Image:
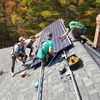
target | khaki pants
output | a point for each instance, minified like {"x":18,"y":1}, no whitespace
{"x":76,"y":32}
{"x":46,"y":59}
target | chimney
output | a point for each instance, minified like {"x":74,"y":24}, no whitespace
{"x":96,"y":42}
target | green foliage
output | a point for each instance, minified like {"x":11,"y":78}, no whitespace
{"x":47,"y":14}
{"x":43,"y":24}
{"x":34,"y":15}
{"x":62,"y":2}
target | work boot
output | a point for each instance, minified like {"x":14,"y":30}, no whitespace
{"x":31,"y":56}
{"x":12,"y":74}
{"x":23,"y":63}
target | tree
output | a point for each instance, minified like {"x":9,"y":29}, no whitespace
{"x":27,"y":17}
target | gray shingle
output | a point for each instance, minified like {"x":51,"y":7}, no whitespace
{"x":87,"y":77}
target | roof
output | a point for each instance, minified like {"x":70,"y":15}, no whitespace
{"x":55,"y":86}
{"x":87,"y":76}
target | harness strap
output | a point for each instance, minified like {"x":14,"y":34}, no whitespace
{"x":22,"y":49}
{"x":43,"y":51}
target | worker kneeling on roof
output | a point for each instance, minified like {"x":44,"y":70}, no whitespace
{"x":74,"y":30}
{"x":45,"y":52}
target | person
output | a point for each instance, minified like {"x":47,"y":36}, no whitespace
{"x":74,"y":30}
{"x":45,"y":52}
{"x":29,"y":44}
{"x":19,"y":53}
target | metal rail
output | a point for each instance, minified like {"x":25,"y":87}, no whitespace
{"x":73,"y":80}
{"x":39,"y":94}
{"x":40,"y":87}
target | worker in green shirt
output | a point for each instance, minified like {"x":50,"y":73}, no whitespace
{"x":45,"y":52}
{"x":74,"y":30}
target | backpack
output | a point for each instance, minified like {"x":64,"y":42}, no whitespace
{"x":20,"y":49}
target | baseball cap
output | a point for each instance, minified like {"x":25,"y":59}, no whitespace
{"x":21,"y":39}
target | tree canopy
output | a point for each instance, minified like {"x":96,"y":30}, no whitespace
{"x":27,"y":17}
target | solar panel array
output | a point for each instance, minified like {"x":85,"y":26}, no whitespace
{"x":57,"y":28}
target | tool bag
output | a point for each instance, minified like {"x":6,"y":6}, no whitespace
{"x":73,"y":62}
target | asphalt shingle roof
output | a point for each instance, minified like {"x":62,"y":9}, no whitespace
{"x":55,"y":86}
{"x":87,"y":78}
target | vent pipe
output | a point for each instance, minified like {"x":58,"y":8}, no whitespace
{"x":96,"y":42}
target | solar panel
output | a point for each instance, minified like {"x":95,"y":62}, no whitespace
{"x":57,"y":28}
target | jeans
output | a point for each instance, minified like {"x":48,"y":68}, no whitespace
{"x":31,"y":49}
{"x":14,"y":59}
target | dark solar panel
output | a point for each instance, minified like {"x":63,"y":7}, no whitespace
{"x":57,"y":28}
